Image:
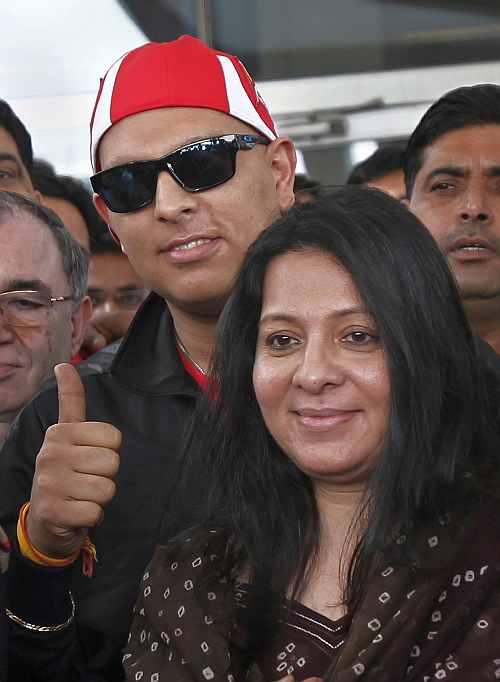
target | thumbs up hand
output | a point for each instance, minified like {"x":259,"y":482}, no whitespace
{"x":74,"y":473}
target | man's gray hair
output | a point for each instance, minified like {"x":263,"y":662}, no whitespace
{"x":75,"y":259}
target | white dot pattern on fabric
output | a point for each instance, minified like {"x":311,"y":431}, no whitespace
{"x":393,"y":594}
{"x":384,"y":597}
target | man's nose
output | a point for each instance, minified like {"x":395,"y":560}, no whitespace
{"x":319,"y":366}
{"x":7,"y":332}
{"x":172,"y":203}
{"x":475,"y":206}
{"x":111,"y":320}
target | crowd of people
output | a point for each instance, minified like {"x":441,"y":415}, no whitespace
{"x":250,"y":424}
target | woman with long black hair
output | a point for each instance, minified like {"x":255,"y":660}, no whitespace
{"x":352,"y":517}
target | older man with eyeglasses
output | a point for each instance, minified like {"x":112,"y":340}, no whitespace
{"x":43,"y":307}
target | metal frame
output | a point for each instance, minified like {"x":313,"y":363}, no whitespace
{"x":332,"y":110}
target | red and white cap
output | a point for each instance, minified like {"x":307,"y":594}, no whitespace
{"x":181,"y":73}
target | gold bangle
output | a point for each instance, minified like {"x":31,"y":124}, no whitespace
{"x":44,"y":628}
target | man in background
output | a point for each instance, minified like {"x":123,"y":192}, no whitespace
{"x":306,"y":189}
{"x":115,"y":289}
{"x":382,"y":170}
{"x":43,"y":307}
{"x":70,"y":200}
{"x":452,"y":174}
{"x":16,"y":154}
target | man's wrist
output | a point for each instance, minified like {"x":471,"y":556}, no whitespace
{"x":29,"y":550}
{"x":39,"y":595}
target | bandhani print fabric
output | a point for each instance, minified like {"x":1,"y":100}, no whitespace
{"x":436,"y":620}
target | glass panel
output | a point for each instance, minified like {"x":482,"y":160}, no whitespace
{"x":332,"y":165}
{"x":281,"y":39}
{"x":163,"y":20}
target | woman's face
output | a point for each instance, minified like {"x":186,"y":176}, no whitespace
{"x":320,"y":374}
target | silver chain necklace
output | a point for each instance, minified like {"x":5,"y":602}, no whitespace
{"x":188,"y":355}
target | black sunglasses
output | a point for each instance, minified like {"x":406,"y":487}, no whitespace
{"x":196,"y":167}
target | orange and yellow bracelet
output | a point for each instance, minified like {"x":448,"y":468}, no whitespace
{"x":87,"y":550}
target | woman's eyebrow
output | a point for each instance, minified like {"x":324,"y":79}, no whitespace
{"x":287,"y":317}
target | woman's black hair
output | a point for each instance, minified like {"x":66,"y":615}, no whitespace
{"x":439,"y":424}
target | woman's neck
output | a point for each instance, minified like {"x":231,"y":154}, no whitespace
{"x":339,"y":534}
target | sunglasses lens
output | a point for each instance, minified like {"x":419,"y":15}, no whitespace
{"x":204,"y":165}
{"x":196,"y":167}
{"x":128,"y":188}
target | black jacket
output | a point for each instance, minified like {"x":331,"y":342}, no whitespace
{"x":146,"y":394}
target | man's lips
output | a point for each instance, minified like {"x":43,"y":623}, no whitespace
{"x":323,"y":418}
{"x":471,"y":248}
{"x":191,"y":248}
{"x":6,"y":369}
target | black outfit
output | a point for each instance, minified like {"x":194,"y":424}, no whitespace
{"x":4,"y":559}
{"x":147,"y":394}
{"x":438,"y":611}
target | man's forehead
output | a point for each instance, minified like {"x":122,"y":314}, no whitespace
{"x":465,"y":146}
{"x":26,"y":242}
{"x":9,"y":146}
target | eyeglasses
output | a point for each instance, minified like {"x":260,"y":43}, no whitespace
{"x":28,"y":308}
{"x":196,"y":167}
{"x":129,"y":299}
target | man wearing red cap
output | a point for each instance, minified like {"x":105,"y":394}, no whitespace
{"x":189,"y":170}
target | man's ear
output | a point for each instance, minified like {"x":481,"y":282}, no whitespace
{"x":80,"y":318}
{"x":103,"y":211}
{"x":281,"y":154}
{"x":101,"y":207}
{"x":38,"y":196}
